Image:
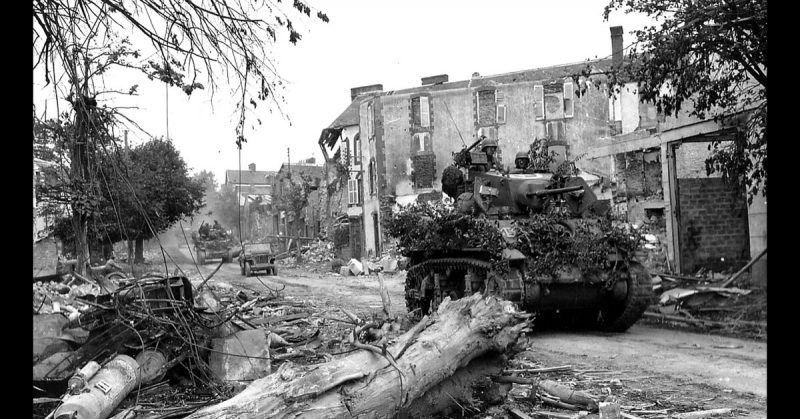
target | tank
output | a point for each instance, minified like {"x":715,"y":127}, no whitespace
{"x":213,"y":243}
{"x":610,"y":292}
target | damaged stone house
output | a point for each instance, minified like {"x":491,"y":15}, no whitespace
{"x":658,"y":163}
{"x":308,"y":223}
{"x":351,"y":178}
{"x":400,"y":141}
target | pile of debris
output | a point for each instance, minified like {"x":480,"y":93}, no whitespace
{"x":531,"y":389}
{"x":709,"y":304}
{"x":165,"y":340}
{"x":652,"y":251}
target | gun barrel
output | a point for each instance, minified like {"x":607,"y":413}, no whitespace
{"x":478,"y":141}
{"x":545,"y":192}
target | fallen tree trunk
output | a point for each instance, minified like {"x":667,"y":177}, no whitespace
{"x":366,"y":384}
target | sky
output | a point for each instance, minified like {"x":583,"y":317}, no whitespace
{"x":393,"y":43}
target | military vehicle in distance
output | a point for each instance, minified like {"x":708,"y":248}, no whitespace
{"x":213,"y":243}
{"x":609,"y":299}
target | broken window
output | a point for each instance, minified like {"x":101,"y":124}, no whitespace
{"x":346,"y":154}
{"x":372,"y":176}
{"x":420,"y":142}
{"x":569,"y":104}
{"x":489,"y":132}
{"x":487,"y":107}
{"x":556,"y":131}
{"x":370,"y":122}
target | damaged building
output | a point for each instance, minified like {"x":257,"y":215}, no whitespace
{"x":658,"y":164}
{"x":703,"y":221}
{"x":308,"y":222}
{"x":392,"y":146}
{"x":254,"y":191}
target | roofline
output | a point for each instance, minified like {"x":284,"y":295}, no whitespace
{"x":451,"y":84}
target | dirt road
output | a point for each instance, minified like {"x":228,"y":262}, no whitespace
{"x":702,"y":371}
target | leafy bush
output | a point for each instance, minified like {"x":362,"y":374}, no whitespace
{"x":546,"y":239}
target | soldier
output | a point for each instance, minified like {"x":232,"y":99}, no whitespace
{"x":203,"y":230}
{"x":521,"y":163}
{"x":477,"y":203}
{"x":489,"y":146}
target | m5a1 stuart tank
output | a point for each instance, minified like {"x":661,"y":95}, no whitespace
{"x":610,"y":296}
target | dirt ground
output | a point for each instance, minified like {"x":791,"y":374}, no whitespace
{"x":650,"y":367}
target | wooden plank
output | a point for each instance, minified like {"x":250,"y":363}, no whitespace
{"x":275,"y":319}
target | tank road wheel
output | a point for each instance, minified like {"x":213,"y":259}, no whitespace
{"x":620,"y":317}
{"x":247,"y":270}
{"x":201,"y":256}
{"x":415,"y":299}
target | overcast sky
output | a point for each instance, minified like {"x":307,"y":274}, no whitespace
{"x":394,"y":43}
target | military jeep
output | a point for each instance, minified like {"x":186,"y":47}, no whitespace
{"x":257,"y":257}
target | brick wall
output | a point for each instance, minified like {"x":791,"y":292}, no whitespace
{"x":713,"y":225}
{"x":424,"y":171}
{"x":638,"y":174}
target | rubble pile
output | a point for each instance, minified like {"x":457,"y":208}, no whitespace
{"x":320,"y":257}
{"x":705,"y":303}
{"x":193,"y":344}
{"x":527,"y":388}
{"x":652,"y":252}
{"x":315,"y":257}
{"x":56,"y":297}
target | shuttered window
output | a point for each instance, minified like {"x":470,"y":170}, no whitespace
{"x":538,"y":102}
{"x":500,"y":99}
{"x":569,"y":104}
{"x":421,"y":111}
{"x":352,"y":192}
{"x":424,"y":112}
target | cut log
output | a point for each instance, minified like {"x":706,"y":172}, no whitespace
{"x":365,"y":384}
{"x":567,"y":395}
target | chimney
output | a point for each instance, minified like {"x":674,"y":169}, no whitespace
{"x":441,"y":78}
{"x":616,"y":46}
{"x":252,"y":167}
{"x":365,"y":89}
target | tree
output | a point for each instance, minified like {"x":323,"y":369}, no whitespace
{"x":75,"y":140}
{"x":294,"y":198}
{"x":153,"y":193}
{"x":188,"y":40}
{"x":712,"y":54}
{"x":207,"y":179}
{"x":75,"y":41}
